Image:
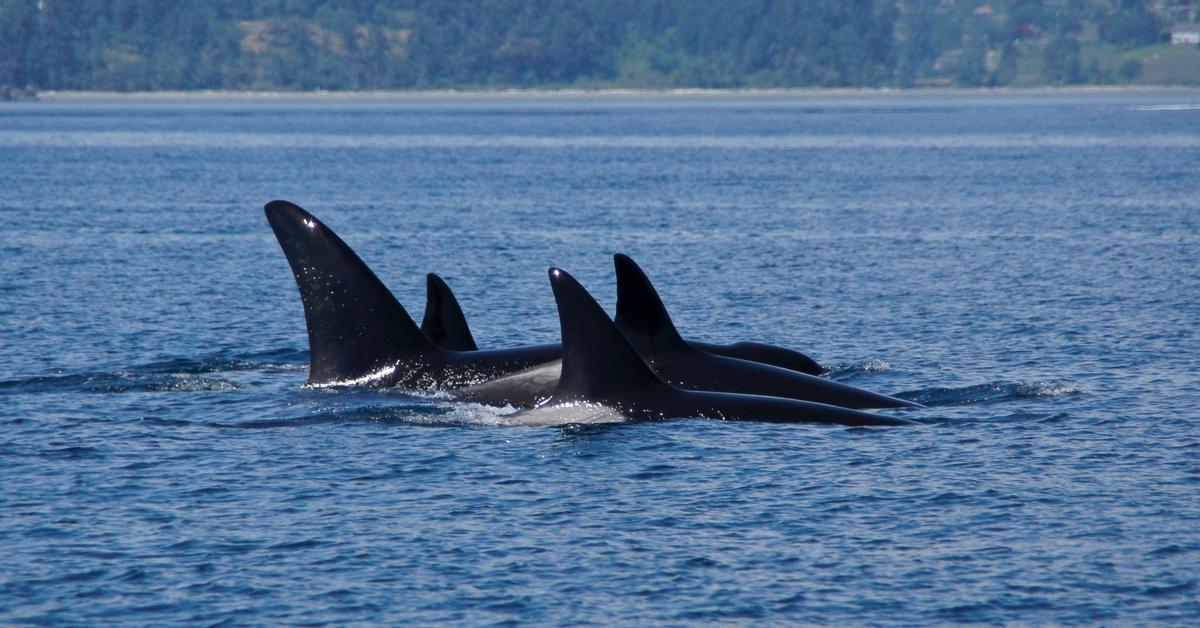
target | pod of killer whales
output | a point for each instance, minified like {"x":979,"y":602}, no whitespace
{"x":633,"y":367}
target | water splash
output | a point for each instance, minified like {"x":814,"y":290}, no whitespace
{"x":990,"y":393}
{"x":174,"y":375}
{"x":364,"y":380}
{"x":850,"y":369}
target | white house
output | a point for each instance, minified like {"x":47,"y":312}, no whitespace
{"x":1185,"y":34}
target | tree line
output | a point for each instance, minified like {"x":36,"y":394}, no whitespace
{"x":423,"y":44}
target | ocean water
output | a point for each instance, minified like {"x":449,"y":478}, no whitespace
{"x":1026,"y":265}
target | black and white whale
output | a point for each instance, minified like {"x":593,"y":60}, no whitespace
{"x":359,"y":334}
{"x":605,"y":380}
{"x":643,"y":320}
{"x":641,"y":315}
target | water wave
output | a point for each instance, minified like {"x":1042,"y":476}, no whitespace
{"x":990,"y":393}
{"x":853,"y":368}
{"x":174,"y":375}
{"x":116,"y":382}
{"x":1178,"y":107}
{"x":415,"y":411}
{"x":209,"y":140}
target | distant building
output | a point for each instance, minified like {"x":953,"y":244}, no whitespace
{"x":1185,"y":34}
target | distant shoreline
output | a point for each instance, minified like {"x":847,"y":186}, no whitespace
{"x":582,"y":94}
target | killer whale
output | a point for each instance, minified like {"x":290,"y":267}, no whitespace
{"x":640,"y":313}
{"x":358,"y":333}
{"x":604,"y":379}
{"x":689,"y":369}
{"x":643,"y":320}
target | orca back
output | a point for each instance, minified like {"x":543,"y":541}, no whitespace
{"x":602,"y":370}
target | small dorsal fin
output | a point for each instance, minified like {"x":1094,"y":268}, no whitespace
{"x":356,"y":327}
{"x":641,"y":315}
{"x":444,"y":323}
{"x":599,"y":364}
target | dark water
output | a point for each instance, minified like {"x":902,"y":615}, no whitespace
{"x":1027,"y":266}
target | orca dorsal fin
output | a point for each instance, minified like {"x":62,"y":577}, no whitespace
{"x":356,"y":327}
{"x":598,"y":362}
{"x":641,"y":315}
{"x":444,"y":323}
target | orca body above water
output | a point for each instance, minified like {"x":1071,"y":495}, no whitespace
{"x":640,"y":314}
{"x":690,"y":369}
{"x":359,"y":334}
{"x":643,"y":320}
{"x":605,"y":380}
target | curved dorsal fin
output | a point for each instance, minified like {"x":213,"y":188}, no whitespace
{"x":641,"y":315}
{"x":444,"y":323}
{"x":356,"y":327}
{"x":598,"y":364}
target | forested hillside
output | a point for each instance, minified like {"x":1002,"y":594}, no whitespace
{"x":422,"y":44}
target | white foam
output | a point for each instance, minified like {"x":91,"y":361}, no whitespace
{"x":568,"y":414}
{"x":359,"y":381}
{"x":1181,"y":107}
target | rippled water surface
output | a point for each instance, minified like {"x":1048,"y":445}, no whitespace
{"x":1025,"y":266}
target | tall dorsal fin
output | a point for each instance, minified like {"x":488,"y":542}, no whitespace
{"x":641,"y":314}
{"x":355,"y":326}
{"x":444,"y":323}
{"x":598,"y":364}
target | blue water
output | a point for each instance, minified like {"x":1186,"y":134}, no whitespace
{"x":1025,"y":265}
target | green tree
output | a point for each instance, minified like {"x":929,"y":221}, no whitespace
{"x":1062,"y":62}
{"x":372,"y":44}
{"x":1130,"y":69}
{"x":1131,"y":25}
